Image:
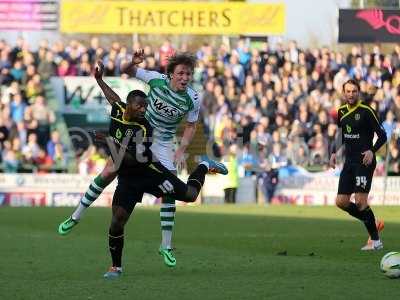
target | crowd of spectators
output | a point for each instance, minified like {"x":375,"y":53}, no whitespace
{"x":28,"y":142}
{"x":283,"y":101}
{"x":277,"y":104}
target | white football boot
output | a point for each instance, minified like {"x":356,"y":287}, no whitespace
{"x":373,"y":246}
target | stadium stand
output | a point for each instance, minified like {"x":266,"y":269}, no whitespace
{"x":280,"y":102}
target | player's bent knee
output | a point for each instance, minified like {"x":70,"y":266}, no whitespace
{"x":191,"y":194}
{"x":342,"y":202}
{"x":361,"y":203}
{"x":108,"y":174}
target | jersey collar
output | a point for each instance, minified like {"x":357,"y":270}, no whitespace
{"x":355,"y":106}
{"x":350,"y":110}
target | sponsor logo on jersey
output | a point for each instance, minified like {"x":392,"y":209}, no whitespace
{"x":348,"y":129}
{"x":118,"y":134}
{"x":352,"y":136}
{"x":138,"y":138}
{"x":165,"y":110}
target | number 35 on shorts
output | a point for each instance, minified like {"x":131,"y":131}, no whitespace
{"x":361,"y":181}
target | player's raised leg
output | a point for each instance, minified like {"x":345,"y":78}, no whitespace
{"x":197,"y":177}
{"x":214,"y":166}
{"x":92,"y":193}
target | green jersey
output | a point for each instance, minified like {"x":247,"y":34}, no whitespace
{"x":167,"y":108}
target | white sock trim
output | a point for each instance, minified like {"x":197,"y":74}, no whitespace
{"x":167,"y":223}
{"x":167,"y":214}
{"x":97,"y":187}
{"x":92,"y":194}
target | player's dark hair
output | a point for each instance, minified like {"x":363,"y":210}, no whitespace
{"x":352,"y":82}
{"x":184,"y":58}
{"x":133,"y":94}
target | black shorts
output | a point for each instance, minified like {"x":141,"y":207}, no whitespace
{"x":154,"y":179}
{"x":356,"y":178}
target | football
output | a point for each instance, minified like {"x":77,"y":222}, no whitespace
{"x":390,"y":264}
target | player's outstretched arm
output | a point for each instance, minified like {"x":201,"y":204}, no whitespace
{"x":110,"y":95}
{"x":131,"y":68}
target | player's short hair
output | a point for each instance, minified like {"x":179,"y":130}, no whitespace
{"x":352,"y":82}
{"x":184,"y":58}
{"x":135,"y":93}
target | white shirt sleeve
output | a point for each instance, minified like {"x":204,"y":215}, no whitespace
{"x":193,"y":115}
{"x":146,"y":75}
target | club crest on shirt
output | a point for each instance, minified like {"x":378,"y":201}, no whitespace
{"x":129,"y":132}
{"x":357,"y":117}
{"x":119,"y":113}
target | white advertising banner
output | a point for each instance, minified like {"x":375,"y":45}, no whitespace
{"x":321,"y":189}
{"x":79,"y":94}
{"x":52,"y":190}
{"x":67,"y":190}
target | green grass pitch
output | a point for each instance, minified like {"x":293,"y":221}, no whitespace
{"x":223,"y":252}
